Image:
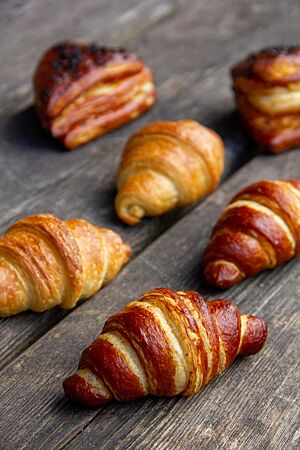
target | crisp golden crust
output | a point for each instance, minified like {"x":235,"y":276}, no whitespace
{"x":165,"y":343}
{"x":167,"y":164}
{"x":258,"y":230}
{"x":267,"y":90}
{"x":83,"y":91}
{"x":45,"y":262}
{"x":278,"y":65}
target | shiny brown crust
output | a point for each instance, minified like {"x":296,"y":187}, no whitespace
{"x":267,"y":91}
{"x":45,"y":262}
{"x":165,"y":343}
{"x":258,"y":230}
{"x":83,"y":91}
{"x":167,"y":164}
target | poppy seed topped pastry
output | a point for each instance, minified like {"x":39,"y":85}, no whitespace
{"x":267,"y":92}
{"x":83,"y":91}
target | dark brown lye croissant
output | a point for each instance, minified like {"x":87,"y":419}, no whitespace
{"x":267,"y":91}
{"x":82,"y":91}
{"x":258,"y":230}
{"x":165,"y":343}
{"x":167,"y":164}
{"x":45,"y":261}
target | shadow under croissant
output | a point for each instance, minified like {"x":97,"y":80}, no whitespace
{"x":239,"y":147}
{"x":122,"y":410}
{"x":24,"y":127}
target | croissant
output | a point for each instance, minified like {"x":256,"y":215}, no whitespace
{"x":259,"y":229}
{"x":267,"y":92}
{"x":165,"y":343}
{"x":167,"y":164}
{"x":45,"y":262}
{"x":82,"y":91}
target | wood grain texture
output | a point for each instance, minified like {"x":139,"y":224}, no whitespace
{"x":248,"y":406}
{"x":38,"y":176}
{"x":190,"y":44}
{"x":110,"y":21}
{"x":197,"y":76}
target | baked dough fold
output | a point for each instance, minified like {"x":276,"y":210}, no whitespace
{"x":83,"y":91}
{"x":267,"y":92}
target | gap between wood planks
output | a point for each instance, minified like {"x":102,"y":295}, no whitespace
{"x":184,"y":85}
{"x":140,"y":237}
{"x":164,"y":435}
{"x":262,"y":307}
{"x":167,"y":90}
{"x":186,"y":270}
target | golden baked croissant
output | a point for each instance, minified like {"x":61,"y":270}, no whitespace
{"x":267,"y":91}
{"x":45,"y":262}
{"x":165,"y":343}
{"x":258,"y":230}
{"x":167,"y":164}
{"x":83,"y":91}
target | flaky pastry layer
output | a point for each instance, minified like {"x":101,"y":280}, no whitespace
{"x":83,"y":91}
{"x":267,"y":90}
{"x":45,"y":262}
{"x":165,"y":343}
{"x":167,"y":164}
{"x":258,"y":230}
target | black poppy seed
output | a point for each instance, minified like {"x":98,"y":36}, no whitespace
{"x":56,"y":64}
{"x":94,"y":48}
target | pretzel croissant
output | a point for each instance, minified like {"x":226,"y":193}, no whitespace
{"x":45,"y":262}
{"x":83,"y":91}
{"x":167,"y":164}
{"x":165,"y":343}
{"x":267,"y":91}
{"x":259,"y":229}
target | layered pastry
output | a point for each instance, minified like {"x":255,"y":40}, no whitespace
{"x":165,"y":165}
{"x":267,"y":92}
{"x":164,"y":343}
{"x":258,"y":230}
{"x":83,"y":91}
{"x":47,"y":262}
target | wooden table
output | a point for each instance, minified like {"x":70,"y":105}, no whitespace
{"x":190,"y":44}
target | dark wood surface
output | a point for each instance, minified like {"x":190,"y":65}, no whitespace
{"x":190,"y":45}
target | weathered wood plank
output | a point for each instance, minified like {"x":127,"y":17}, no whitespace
{"x":110,"y":22}
{"x":246,"y":407}
{"x":21,"y":137}
{"x":50,"y":181}
{"x":253,"y":405}
{"x":92,"y":198}
{"x":199,"y":90}
{"x":195,"y":75}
